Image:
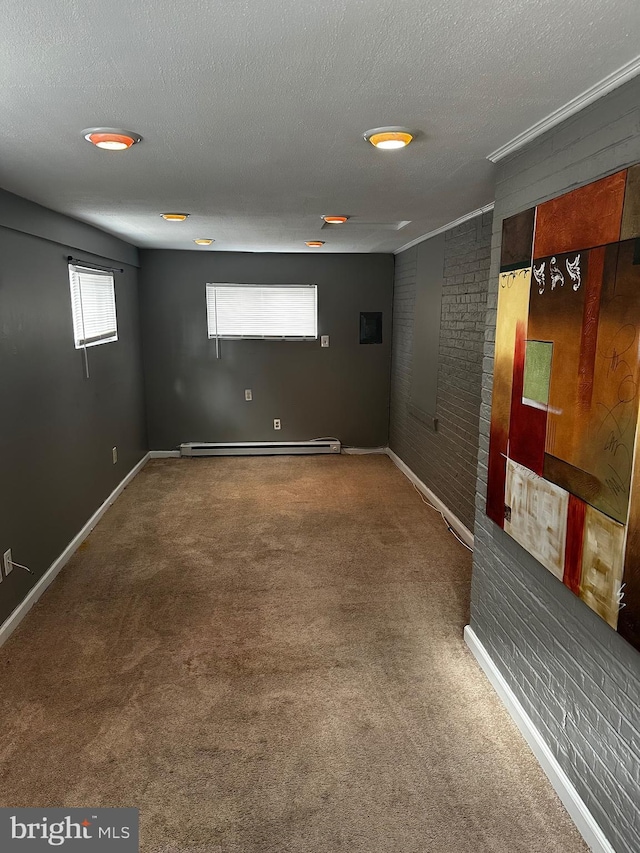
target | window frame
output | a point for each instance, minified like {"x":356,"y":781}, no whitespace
{"x":75,"y":288}
{"x":212,"y":327}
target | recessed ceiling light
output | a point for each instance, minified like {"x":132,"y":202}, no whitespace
{"x":174,"y":217}
{"x":203,"y":242}
{"x":314,"y":244}
{"x":111,"y":138}
{"x":389,"y":137}
{"x":335,"y":220}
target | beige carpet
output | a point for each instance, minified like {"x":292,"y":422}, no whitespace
{"x":266,"y":654}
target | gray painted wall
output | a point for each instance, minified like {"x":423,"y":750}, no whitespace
{"x":445,"y":460}
{"x":427,"y":312}
{"x":57,"y":428}
{"x":19,"y":214}
{"x":577,"y":678}
{"x":342,"y":391}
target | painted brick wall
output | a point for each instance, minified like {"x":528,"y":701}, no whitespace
{"x":578,"y":680}
{"x":445,"y":460}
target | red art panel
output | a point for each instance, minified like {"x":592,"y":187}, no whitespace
{"x":589,"y":337}
{"x":497,"y":475}
{"x":528,"y":425}
{"x":629,"y":619}
{"x":584,"y":218}
{"x":573,"y":552}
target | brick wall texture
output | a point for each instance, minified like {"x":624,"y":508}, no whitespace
{"x":578,"y":680}
{"x":445,"y":460}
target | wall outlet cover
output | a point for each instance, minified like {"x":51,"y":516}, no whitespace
{"x":7,"y":563}
{"x":114,"y":454}
{"x":276,"y":423}
{"x":248,"y":394}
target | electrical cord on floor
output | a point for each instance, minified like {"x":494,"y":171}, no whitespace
{"x":344,"y":448}
{"x":441,"y":514}
{"x":351,"y":449}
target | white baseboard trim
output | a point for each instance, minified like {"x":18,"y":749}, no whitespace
{"x":15,"y":618}
{"x":354,"y":451}
{"x":574,"y":804}
{"x":361,"y":451}
{"x":463,"y":532}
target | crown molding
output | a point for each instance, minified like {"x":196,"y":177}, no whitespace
{"x":608,"y":84}
{"x":446,"y":227}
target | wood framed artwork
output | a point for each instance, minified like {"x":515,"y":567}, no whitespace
{"x":564,"y":457}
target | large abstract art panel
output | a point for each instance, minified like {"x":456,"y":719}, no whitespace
{"x":564,"y":454}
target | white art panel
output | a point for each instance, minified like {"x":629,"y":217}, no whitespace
{"x":536,"y":516}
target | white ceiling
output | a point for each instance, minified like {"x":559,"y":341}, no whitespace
{"x":252,"y":111}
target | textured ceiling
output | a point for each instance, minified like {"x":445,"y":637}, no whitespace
{"x":252,"y":113}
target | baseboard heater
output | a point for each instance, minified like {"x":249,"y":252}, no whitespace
{"x":259,"y":448}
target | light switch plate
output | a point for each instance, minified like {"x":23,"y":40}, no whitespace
{"x":324,"y":340}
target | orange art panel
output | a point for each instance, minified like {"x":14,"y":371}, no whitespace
{"x":606,"y":444}
{"x":555,"y":314}
{"x":631,"y":214}
{"x":584,"y":218}
{"x":593,"y":395}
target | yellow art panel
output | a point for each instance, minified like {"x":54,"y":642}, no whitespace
{"x":602,"y":564}
{"x":513,"y":308}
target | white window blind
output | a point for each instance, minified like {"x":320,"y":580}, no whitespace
{"x":282,"y":311}
{"x":93,"y":305}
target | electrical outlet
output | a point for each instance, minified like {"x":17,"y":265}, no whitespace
{"x":248,"y":395}
{"x":276,"y":423}
{"x":324,"y":340}
{"x":114,"y":454}
{"x":7,"y":563}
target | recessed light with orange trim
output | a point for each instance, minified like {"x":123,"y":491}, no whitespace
{"x":203,"y":242}
{"x":389,"y":138}
{"x":335,"y":220}
{"x":314,"y":244}
{"x":111,"y":138}
{"x":174,"y":217}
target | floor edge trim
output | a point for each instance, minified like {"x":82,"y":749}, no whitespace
{"x":463,"y":532}
{"x":17,"y":615}
{"x":585,"y":822}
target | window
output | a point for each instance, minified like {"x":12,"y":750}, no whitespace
{"x":278,"y":311}
{"x":93,"y":305}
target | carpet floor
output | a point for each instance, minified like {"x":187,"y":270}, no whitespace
{"x":265,"y":655}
